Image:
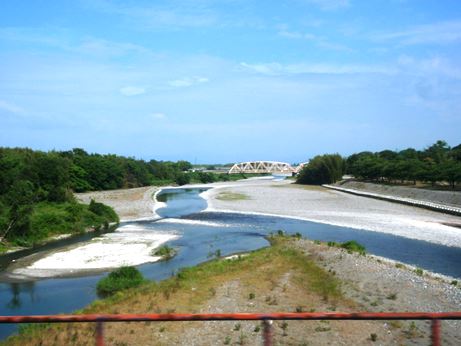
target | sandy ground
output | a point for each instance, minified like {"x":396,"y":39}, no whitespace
{"x":337,"y":208}
{"x":130,"y":204}
{"x":129,"y":245}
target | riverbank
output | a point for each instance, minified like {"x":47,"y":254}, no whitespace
{"x":445,"y":197}
{"x":318,"y":204}
{"x":129,"y":204}
{"x":292,"y":275}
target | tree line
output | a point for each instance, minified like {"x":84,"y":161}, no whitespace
{"x":438,"y":163}
{"x":36,"y":189}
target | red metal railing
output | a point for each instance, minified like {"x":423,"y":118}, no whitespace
{"x":435,"y":317}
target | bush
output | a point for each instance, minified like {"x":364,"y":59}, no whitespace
{"x":353,"y":246}
{"x":165,"y":251}
{"x":325,"y":169}
{"x":120,"y":279}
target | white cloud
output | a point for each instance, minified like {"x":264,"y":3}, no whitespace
{"x":274,"y":69}
{"x":132,"y":91}
{"x":11,"y":108}
{"x":187,"y":82}
{"x":436,"y":33}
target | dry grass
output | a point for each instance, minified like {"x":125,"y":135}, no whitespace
{"x":274,"y":279}
{"x":232,"y":196}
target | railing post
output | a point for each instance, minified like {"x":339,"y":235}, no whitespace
{"x":99,"y":333}
{"x":435,"y":327}
{"x":267,"y":333}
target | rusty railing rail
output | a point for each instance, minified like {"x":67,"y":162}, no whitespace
{"x":99,"y":319}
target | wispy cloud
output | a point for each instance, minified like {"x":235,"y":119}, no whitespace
{"x":274,"y":69}
{"x":187,"y":82}
{"x":61,"y":39}
{"x":430,"y":67}
{"x":10,"y":107}
{"x":132,"y":91}
{"x":319,"y":41}
{"x":172,"y":16}
{"x":436,"y":33}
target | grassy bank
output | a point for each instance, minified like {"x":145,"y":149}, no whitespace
{"x":270,"y":279}
{"x":49,"y":219}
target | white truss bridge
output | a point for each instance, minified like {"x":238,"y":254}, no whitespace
{"x":264,"y":167}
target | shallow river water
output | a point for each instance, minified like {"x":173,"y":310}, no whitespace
{"x":200,"y":235}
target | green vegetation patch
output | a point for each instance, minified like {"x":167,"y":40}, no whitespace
{"x":350,"y":246}
{"x":232,"y":196}
{"x":164,"y":251}
{"x":118,"y":280}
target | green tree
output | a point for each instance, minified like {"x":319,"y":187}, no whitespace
{"x":325,"y":169}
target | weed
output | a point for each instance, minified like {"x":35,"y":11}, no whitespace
{"x":257,"y":329}
{"x":242,"y":339}
{"x":237,"y":327}
{"x":399,"y":265}
{"x":322,"y":329}
{"x":165,"y":251}
{"x":162,"y":329}
{"x":299,"y":308}
{"x":271,"y":300}
{"x":454,"y":282}
{"x":373,"y":337}
{"x":227,"y":340}
{"x":284,"y":327}
{"x":392,"y":296}
{"x":297,"y":235}
{"x":419,"y":271}
{"x":251,"y":296}
{"x":353,"y":246}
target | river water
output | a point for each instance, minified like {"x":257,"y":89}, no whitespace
{"x":201,"y":234}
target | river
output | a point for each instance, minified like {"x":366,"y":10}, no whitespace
{"x":199,"y":237}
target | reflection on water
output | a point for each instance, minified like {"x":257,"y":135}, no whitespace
{"x":180,"y":202}
{"x":16,"y":290}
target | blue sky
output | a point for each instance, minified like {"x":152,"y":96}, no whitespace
{"x":229,"y":80}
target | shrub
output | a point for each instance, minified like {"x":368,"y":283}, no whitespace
{"x":165,"y":251}
{"x":118,"y":280}
{"x":353,"y":246}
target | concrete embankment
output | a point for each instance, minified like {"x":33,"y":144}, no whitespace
{"x":397,"y":195}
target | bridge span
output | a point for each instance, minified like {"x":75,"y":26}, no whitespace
{"x":263,"y":167}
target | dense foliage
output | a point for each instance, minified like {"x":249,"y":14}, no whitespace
{"x":437,"y":163}
{"x":118,"y":280}
{"x":36,"y":189}
{"x":324,"y":169}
